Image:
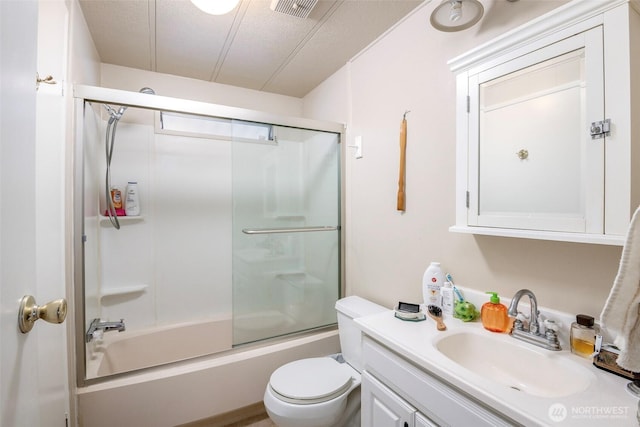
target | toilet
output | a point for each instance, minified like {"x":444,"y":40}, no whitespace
{"x":323,"y":391}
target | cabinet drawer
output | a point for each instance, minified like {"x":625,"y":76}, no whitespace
{"x":431,"y":396}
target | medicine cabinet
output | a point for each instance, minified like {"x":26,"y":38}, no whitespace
{"x":546,"y":144}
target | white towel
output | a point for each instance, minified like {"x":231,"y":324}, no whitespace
{"x":620,"y":314}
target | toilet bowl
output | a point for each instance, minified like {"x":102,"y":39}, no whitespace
{"x":323,"y":391}
{"x":311,"y":392}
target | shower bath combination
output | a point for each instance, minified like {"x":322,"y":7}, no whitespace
{"x":247,"y":227}
{"x":114,"y":118}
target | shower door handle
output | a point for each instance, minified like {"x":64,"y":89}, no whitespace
{"x":289,"y":229}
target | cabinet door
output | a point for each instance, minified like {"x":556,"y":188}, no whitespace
{"x":423,"y":421}
{"x":532,"y":162}
{"x":381,"y":407}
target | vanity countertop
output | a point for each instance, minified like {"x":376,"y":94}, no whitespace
{"x":605,"y":401}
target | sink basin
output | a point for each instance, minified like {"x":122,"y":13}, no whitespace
{"x":517,"y":365}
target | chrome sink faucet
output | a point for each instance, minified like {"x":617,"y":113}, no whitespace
{"x":548,"y":340}
{"x":98,"y":328}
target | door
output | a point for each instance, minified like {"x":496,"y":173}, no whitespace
{"x":33,"y":387}
{"x":286,"y":230}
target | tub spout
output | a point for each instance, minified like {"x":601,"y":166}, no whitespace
{"x":97,"y":326}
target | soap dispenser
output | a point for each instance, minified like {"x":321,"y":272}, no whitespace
{"x":494,"y":314}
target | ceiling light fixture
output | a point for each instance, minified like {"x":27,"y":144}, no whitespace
{"x":456,"y":15}
{"x":216,"y":7}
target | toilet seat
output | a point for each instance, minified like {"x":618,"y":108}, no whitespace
{"x":313,"y":380}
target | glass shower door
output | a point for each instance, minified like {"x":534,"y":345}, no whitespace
{"x":286,"y":231}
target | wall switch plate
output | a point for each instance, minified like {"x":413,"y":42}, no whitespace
{"x":357,"y":144}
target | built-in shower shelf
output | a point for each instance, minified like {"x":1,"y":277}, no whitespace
{"x":122,"y":219}
{"x":124,"y":290}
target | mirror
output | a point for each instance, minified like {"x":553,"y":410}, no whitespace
{"x":531,"y":133}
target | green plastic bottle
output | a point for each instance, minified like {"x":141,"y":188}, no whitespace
{"x":494,"y":315}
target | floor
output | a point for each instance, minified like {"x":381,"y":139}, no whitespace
{"x":251,"y":416}
{"x":254,"y":422}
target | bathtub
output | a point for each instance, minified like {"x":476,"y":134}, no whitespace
{"x":131,"y":350}
{"x":188,"y":390}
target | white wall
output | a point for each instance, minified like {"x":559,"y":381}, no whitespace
{"x":118,"y":77}
{"x":84,"y":62}
{"x":388,"y":251}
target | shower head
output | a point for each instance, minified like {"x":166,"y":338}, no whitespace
{"x":117,"y":115}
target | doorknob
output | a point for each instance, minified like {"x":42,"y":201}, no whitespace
{"x":53,"y":312}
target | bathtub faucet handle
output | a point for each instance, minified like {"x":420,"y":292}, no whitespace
{"x":97,"y":328}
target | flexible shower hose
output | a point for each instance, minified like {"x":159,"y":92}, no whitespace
{"x":110,"y":139}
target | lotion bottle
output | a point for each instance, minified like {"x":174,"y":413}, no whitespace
{"x":431,"y":283}
{"x":494,"y":314}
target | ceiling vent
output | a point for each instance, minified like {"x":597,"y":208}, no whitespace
{"x":298,"y":8}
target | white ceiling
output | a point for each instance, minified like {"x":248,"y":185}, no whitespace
{"x":251,"y":47}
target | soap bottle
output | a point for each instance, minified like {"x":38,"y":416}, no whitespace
{"x":431,"y":283}
{"x":116,"y":197}
{"x":494,"y":314}
{"x":583,"y":335}
{"x":447,"y":297}
{"x":132,"y":201}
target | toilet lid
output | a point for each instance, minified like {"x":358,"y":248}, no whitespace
{"x":311,"y":380}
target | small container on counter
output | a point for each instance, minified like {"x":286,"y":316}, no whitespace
{"x":447,"y":297}
{"x":583,"y":335}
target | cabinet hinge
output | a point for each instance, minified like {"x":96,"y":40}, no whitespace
{"x":468,"y":104}
{"x":467,"y":200}
{"x":600,"y":129}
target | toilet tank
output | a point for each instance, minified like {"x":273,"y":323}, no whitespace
{"x":348,"y":309}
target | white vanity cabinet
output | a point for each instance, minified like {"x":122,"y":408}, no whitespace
{"x":546,"y":144}
{"x":396,"y":393}
{"x":381,"y":407}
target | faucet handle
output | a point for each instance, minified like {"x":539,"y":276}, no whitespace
{"x":518,"y":323}
{"x":551,"y":333}
{"x":551,"y":325}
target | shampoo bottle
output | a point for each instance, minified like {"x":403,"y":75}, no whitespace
{"x":494,"y":314}
{"x":132,"y":201}
{"x":431,"y":283}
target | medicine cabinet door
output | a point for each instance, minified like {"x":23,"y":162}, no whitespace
{"x":532,"y":162}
